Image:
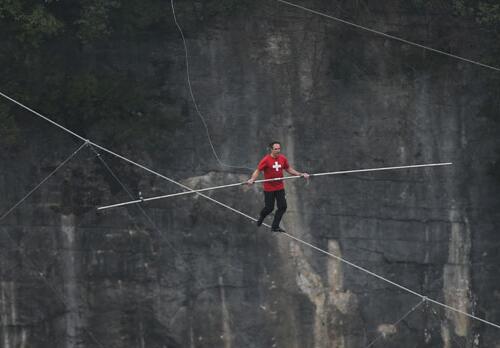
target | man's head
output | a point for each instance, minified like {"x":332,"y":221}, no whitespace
{"x":275,"y":148}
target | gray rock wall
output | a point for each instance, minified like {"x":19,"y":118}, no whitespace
{"x":186,"y":272}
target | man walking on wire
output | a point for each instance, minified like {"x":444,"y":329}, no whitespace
{"x":273,"y":165}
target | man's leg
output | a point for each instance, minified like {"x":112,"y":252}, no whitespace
{"x":269,"y":207}
{"x":281,"y":201}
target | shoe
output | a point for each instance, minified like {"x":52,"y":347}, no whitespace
{"x":277,"y":229}
{"x":259,"y":221}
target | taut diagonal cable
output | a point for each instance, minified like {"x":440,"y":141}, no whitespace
{"x":120,"y":156}
{"x":392,"y":283}
{"x":389,"y":36}
{"x":42,"y":182}
{"x":254,"y":219}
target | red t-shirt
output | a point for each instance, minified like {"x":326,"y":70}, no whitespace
{"x":273,"y":168}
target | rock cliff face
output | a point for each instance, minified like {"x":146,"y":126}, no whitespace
{"x":186,"y":272}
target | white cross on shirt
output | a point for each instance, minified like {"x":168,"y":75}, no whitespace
{"x":277,"y":166}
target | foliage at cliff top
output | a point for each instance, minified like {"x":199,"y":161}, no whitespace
{"x":82,"y":62}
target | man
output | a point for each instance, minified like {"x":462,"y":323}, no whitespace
{"x":273,"y":165}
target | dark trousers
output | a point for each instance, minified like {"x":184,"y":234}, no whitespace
{"x":269,"y":198}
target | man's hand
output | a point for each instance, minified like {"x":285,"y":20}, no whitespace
{"x":254,"y":177}
{"x":305,"y":175}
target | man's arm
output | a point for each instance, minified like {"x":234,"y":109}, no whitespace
{"x":292,"y":171}
{"x":254,"y":177}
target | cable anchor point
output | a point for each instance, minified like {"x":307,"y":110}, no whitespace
{"x":425,"y":301}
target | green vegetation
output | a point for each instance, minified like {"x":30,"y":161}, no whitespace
{"x":30,"y":23}
{"x":70,"y":60}
{"x":483,"y":12}
{"x":90,"y":63}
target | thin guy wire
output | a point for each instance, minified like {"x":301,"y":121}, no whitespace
{"x":141,"y":200}
{"x":393,"y":283}
{"x":396,"y":323}
{"x":160,"y":234}
{"x":389,"y":36}
{"x":42,"y":182}
{"x":194,"y":99}
{"x":117,"y":179}
{"x":94,"y":144}
{"x":254,"y":219}
{"x":451,"y":333}
{"x":32,"y":265}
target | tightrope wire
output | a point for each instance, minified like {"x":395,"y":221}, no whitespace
{"x":254,"y":219}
